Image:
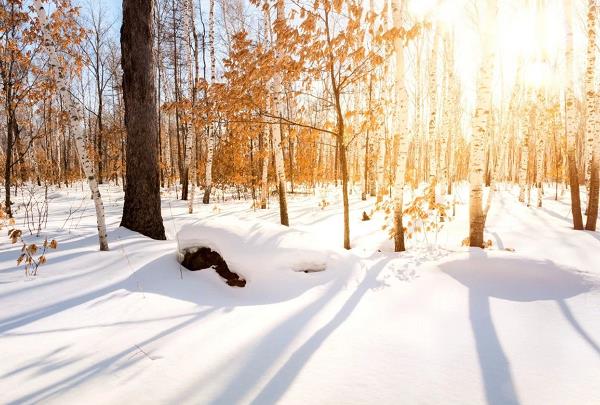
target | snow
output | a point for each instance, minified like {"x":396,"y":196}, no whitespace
{"x":437,"y":324}
{"x":257,"y":250}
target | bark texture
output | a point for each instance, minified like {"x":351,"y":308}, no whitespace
{"x":571,"y":120}
{"x":76,"y":121}
{"x":400,"y":129}
{"x":141,"y":209}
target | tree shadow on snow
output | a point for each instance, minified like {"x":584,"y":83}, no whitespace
{"x":285,"y":376}
{"x":512,"y":279}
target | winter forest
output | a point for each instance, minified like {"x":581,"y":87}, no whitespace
{"x":299,"y":201}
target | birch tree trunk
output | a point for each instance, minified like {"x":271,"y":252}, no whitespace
{"x":593,"y":122}
{"x":539,"y":147}
{"x":480,"y":130}
{"x":590,"y":92}
{"x":400,"y":127}
{"x":278,"y":105}
{"x":192,"y":65}
{"x":75,"y":117}
{"x":141,"y":210}
{"x":524,"y":127}
{"x":449,"y":112}
{"x":571,"y":119}
{"x":210,"y":143}
{"x":433,"y":112}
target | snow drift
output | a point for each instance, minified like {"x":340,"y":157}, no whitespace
{"x":256,"y":250}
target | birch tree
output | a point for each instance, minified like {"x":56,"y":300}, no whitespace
{"x":277,"y":103}
{"x":481,"y":119}
{"x":539,"y":146}
{"x":75,"y":119}
{"x":571,"y":118}
{"x":400,"y":125}
{"x":210,"y":142}
{"x":191,"y":58}
{"x":592,"y":121}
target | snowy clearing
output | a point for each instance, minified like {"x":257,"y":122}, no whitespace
{"x":436,"y":324}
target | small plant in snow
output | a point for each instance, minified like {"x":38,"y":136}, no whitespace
{"x":423,"y":216}
{"x":31,"y":255}
{"x":323,"y":203}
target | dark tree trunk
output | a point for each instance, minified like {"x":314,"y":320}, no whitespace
{"x":141,"y":210}
{"x":8,"y":166}
{"x":574,"y":183}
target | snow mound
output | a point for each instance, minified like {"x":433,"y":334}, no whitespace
{"x":255,"y":249}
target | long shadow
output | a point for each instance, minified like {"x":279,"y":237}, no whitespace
{"x":515,"y":279}
{"x":285,"y":376}
{"x":495,"y":367}
{"x":78,"y":377}
{"x":272,"y":346}
{"x":555,"y":215}
{"x":577,"y":326}
{"x":499,"y":241}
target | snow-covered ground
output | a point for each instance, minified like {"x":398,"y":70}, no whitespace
{"x":437,"y":324}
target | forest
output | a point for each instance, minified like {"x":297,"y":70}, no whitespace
{"x":335,"y":201}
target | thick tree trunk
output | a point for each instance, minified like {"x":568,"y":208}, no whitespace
{"x":591,"y":127}
{"x":480,"y":131}
{"x":141,"y":210}
{"x":571,"y":120}
{"x":592,"y":217}
{"x":593,"y":122}
{"x":277,"y":106}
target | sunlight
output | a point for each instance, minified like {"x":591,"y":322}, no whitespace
{"x":538,"y":75}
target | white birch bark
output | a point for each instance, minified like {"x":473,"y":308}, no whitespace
{"x":278,"y":111}
{"x":539,"y":147}
{"x":189,"y":162}
{"x":591,"y":128}
{"x":525,"y":129}
{"x":210,"y":142}
{"x":75,"y":118}
{"x":449,"y":112}
{"x":400,"y":127}
{"x":265,"y":136}
{"x":480,"y":129}
{"x":433,"y":108}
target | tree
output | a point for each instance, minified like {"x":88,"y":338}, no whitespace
{"x":277,"y":104}
{"x":210,"y":142}
{"x":400,"y":127}
{"x":571,"y":120}
{"x":483,"y":108}
{"x":75,"y":118}
{"x":141,"y":209}
{"x":593,"y":121}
